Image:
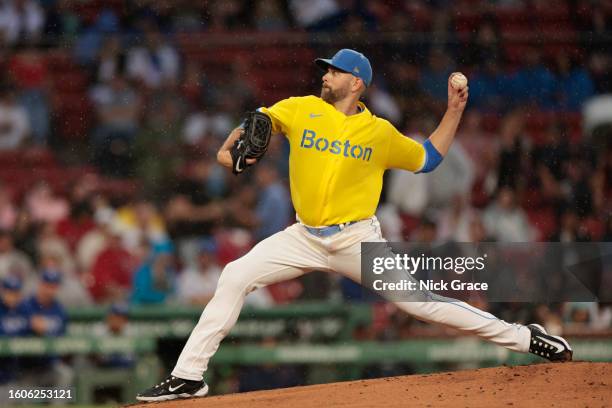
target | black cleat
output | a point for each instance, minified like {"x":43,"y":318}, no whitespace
{"x":553,"y":348}
{"x":173,"y":388}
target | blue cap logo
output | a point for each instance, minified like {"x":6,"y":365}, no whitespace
{"x":349,"y":61}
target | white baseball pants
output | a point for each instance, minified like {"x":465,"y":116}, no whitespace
{"x":294,"y":252}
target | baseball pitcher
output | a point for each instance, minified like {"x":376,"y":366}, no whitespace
{"x":339,"y":152}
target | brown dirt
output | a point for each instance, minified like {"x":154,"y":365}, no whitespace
{"x":577,"y":384}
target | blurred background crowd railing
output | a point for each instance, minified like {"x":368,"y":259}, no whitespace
{"x":111,"y":113}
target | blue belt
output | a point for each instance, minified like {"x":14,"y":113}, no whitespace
{"x":329,"y":230}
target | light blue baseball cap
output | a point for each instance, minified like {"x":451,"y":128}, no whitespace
{"x":120,"y":309}
{"x":52,"y":276}
{"x":349,"y":61}
{"x":11,"y":282}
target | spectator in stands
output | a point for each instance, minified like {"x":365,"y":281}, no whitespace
{"x":93,"y":242}
{"x":54,"y":254}
{"x":480,"y":146}
{"x":316,"y":15}
{"x":44,"y":206}
{"x":233,"y":92}
{"x":549,"y":188}
{"x":569,"y":228}
{"x":194,"y":206}
{"x":91,"y":40}
{"x":14,"y":123}
{"x":511,"y":158}
{"x":47,"y":315}
{"x":8,"y":211}
{"x":158,"y":138}
{"x":489,"y":87}
{"x":116,"y":325}
{"x":453,"y":178}
{"x":80,"y":220}
{"x":549,"y":317}
{"x":390,"y":222}
{"x":595,"y":26}
{"x":455,"y":222}
{"x":111,"y":59}
{"x":154,"y":279}
{"x":534,"y":84}
{"x":485,"y":46}
{"x":21,"y":20}
{"x":47,"y":318}
{"x":274,"y":211}
{"x":156,"y":62}
{"x":196,"y":284}
{"x":426,"y":233}
{"x":50,"y":244}
{"x":111,"y":273}
{"x":554,"y":152}
{"x":442,"y":30}
{"x":226,"y":15}
{"x":574,"y":84}
{"x":599,"y":67}
{"x":206,"y":127}
{"x":601,"y":317}
{"x":577,"y":186}
{"x":189,"y":17}
{"x":118,"y":108}
{"x":267,"y":377}
{"x":13,"y":261}
{"x":194,"y":84}
{"x":578,"y":314}
{"x":478,"y":232}
{"x":62,"y":20}
{"x":30,"y":76}
{"x":269,"y":16}
{"x":13,"y":323}
{"x":383,"y":104}
{"x":505,"y":221}
{"x":435,"y":76}
{"x":139,"y":222}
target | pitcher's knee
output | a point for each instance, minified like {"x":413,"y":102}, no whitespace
{"x":233,"y":279}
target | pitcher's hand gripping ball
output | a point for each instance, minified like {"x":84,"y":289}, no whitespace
{"x":253,"y":143}
{"x":458,"y":81}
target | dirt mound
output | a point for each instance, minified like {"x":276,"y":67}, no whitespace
{"x":542,"y":385}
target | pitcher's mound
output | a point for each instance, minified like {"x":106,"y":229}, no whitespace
{"x":577,"y":384}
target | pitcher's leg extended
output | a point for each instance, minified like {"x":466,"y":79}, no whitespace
{"x":281,"y":257}
{"x":453,"y":313}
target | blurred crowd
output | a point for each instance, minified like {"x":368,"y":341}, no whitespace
{"x":159,"y":117}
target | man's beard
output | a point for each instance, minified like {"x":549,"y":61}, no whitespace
{"x":330,"y":96}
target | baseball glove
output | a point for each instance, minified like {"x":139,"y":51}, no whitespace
{"x":253,"y":143}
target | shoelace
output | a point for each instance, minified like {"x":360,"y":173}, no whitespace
{"x":164,"y":382}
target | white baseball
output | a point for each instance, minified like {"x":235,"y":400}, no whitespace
{"x":459,"y":81}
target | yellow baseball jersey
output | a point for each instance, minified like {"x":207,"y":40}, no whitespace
{"x":337,"y":162}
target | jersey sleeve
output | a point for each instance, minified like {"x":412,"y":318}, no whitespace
{"x":404,"y":152}
{"x":282,"y":114}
